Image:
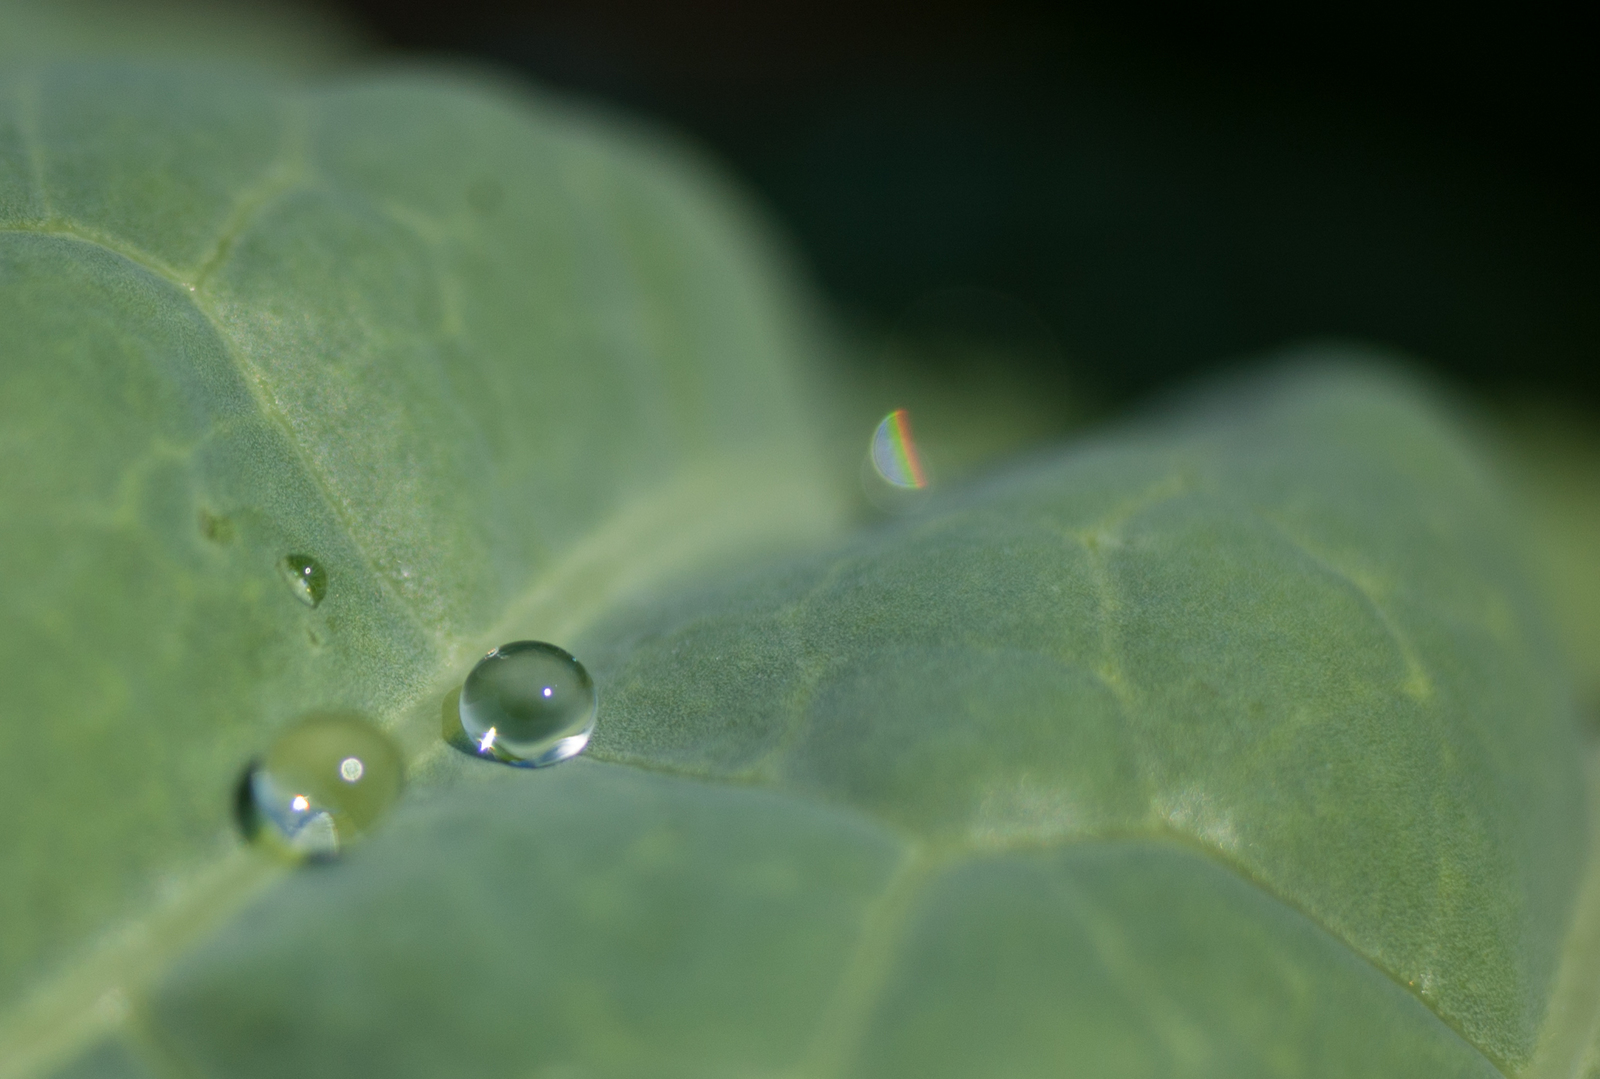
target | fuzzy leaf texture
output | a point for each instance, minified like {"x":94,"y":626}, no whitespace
{"x":1228,"y":743}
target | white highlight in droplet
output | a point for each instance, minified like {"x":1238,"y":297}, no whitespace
{"x":350,"y":769}
{"x":300,"y":803}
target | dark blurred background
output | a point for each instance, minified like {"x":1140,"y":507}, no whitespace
{"x":1158,"y":187}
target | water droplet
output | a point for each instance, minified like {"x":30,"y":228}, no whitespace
{"x":892,"y":473}
{"x":894,"y":454}
{"x":528,"y":703}
{"x":306,"y":577}
{"x":324,"y":782}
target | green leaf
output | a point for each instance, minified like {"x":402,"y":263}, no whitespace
{"x":1229,"y":743}
{"x":483,"y":359}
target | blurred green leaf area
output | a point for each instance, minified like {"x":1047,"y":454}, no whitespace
{"x":1229,"y":742}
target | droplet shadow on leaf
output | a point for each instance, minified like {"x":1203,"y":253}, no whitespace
{"x":244,"y":809}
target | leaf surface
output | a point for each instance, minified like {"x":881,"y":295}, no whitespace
{"x":468,"y":352}
{"x":1228,"y":743}
{"x":1225,"y":746}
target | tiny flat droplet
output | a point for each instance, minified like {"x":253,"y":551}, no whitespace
{"x":306,"y":577}
{"x":325,"y":782}
{"x":528,"y":703}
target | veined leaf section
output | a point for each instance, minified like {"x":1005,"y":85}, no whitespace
{"x":1227,"y":746}
{"x":434,"y":336}
{"x":609,"y":921}
{"x":1288,"y":626}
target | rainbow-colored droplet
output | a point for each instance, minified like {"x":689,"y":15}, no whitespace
{"x":894,"y":454}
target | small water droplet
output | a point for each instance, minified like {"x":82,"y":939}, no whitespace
{"x":894,"y":453}
{"x":306,"y":577}
{"x":324,"y":782}
{"x":892,"y":473}
{"x":528,"y":703}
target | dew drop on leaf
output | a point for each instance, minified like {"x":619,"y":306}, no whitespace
{"x":894,"y":453}
{"x":306,"y":577}
{"x":324,"y":782}
{"x":528,"y":703}
{"x":893,"y":476}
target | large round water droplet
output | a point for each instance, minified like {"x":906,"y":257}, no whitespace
{"x":528,"y":703}
{"x":324,"y":782}
{"x":307,"y":579}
